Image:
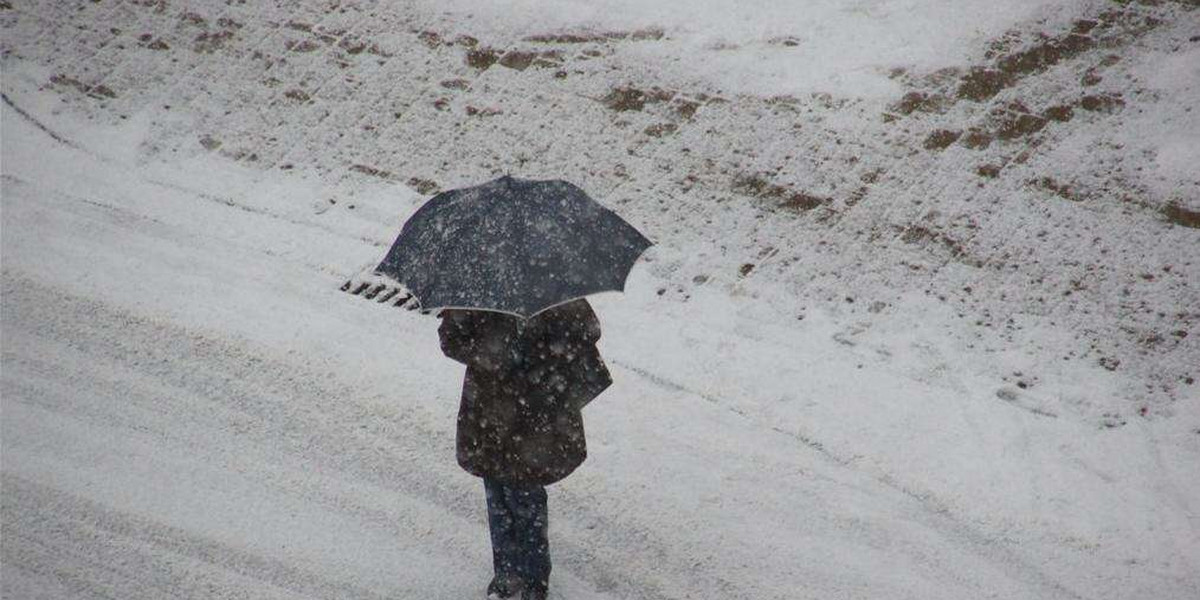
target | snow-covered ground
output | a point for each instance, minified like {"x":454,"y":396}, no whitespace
{"x":921,"y":321}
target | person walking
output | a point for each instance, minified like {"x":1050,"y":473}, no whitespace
{"x":520,"y":425}
{"x":506,"y":265}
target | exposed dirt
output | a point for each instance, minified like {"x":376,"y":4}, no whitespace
{"x":99,"y":91}
{"x":1061,"y":113}
{"x":1181,"y":216}
{"x":1010,"y":62}
{"x":1061,"y":190}
{"x":147,"y":40}
{"x":209,"y":42}
{"x":522,"y":59}
{"x":920,"y":234}
{"x":977,"y":139}
{"x":482,"y":58}
{"x":941,"y":139}
{"x":989,"y":171}
{"x":592,"y":37}
{"x":758,"y":186}
{"x":633,"y":99}
{"x":431,"y":39}
{"x":921,"y":102}
{"x":1107,"y":103}
{"x":301,"y":46}
{"x":193,"y":19}
{"x":660,"y":129}
{"x":800,"y":201}
{"x":424,"y":187}
{"x":372,"y":171}
{"x":474,"y":111}
{"x":686,"y":108}
{"x":1015,"y":121}
{"x":298,"y":95}
{"x":982,"y":83}
{"x":70,"y":82}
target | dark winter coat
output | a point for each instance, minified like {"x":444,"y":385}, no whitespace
{"x":526,"y":382}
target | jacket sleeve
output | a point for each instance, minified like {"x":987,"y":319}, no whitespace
{"x":479,"y":340}
{"x":589,"y":369}
{"x":585,"y":326}
{"x":456,"y":334}
{"x":565,"y":354}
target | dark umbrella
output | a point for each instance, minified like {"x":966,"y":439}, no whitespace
{"x":512,"y":245}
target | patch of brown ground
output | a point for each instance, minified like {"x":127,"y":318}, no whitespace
{"x":920,"y":102}
{"x":630,"y":98}
{"x":372,"y":171}
{"x":982,"y":83}
{"x":482,"y":58}
{"x":989,"y":171}
{"x":638,"y":35}
{"x":1181,"y":216}
{"x":1106,"y":103}
{"x":784,"y":197}
{"x":424,"y":187}
{"x":100,"y":91}
{"x":1061,"y":190}
{"x":660,"y":129}
{"x":1009,"y":65}
{"x":920,"y":234}
{"x":941,"y":139}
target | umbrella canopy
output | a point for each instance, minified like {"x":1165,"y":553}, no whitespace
{"x":512,"y":245}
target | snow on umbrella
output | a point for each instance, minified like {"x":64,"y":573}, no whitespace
{"x":512,"y":245}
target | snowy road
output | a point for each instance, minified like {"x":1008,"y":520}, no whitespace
{"x":144,"y":460}
{"x":191,"y":410}
{"x":136,"y":448}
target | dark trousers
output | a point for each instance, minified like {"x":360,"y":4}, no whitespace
{"x":517,"y":517}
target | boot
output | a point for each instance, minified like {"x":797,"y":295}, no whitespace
{"x":504,"y":586}
{"x":535,"y":591}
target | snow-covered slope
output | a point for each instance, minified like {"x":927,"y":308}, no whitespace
{"x":1029,"y":168}
{"x":920,"y":323}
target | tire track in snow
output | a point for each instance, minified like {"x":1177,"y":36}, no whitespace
{"x":931,"y":510}
{"x":36,"y":123}
{"x":101,"y":552}
{"x":124,"y":377}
